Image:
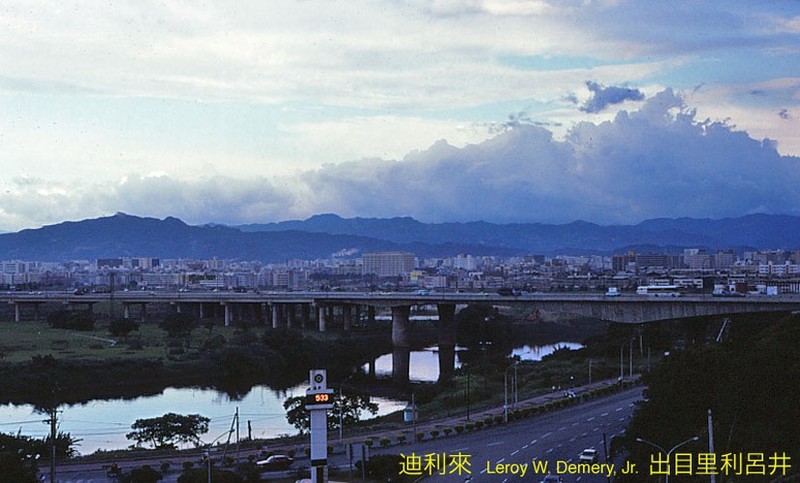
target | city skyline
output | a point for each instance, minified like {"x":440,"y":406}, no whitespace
{"x":497,"y":110}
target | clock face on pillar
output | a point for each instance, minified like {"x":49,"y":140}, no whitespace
{"x":318,"y":380}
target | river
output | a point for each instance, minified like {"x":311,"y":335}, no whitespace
{"x":102,"y":424}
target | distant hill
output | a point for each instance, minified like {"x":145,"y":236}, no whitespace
{"x":125,"y":235}
{"x":323,"y":235}
{"x":752,"y":231}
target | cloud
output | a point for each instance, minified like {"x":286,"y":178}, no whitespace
{"x":657,"y":161}
{"x":603,"y":97}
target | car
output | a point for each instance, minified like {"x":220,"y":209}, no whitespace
{"x":589,"y":455}
{"x":276,"y":462}
{"x":552,"y":479}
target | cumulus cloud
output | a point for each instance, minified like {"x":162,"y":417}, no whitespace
{"x":657,"y":161}
{"x":603,"y":97}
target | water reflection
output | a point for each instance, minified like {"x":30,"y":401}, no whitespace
{"x":102,"y":424}
{"x":424,"y":364}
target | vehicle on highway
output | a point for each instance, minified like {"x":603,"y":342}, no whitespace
{"x":589,"y":455}
{"x":552,"y":479}
{"x":659,"y":290}
{"x":275,"y":462}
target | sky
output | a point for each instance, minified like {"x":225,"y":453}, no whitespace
{"x":252,"y":111}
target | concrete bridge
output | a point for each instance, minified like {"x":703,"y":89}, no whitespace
{"x":299,"y":309}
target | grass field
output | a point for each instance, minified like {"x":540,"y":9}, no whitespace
{"x":20,"y":341}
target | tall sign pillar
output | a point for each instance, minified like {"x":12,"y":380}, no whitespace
{"x":319,"y":399}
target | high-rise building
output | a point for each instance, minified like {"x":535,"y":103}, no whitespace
{"x":387,"y":264}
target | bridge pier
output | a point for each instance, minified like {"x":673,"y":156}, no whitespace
{"x":276,"y":316}
{"x":347,"y":316}
{"x":228,"y":313}
{"x":291,"y":310}
{"x":322,"y":316}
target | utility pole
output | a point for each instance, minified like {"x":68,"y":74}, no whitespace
{"x":52,"y":421}
{"x":711,"y":441}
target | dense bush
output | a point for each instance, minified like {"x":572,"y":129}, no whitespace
{"x":71,"y":320}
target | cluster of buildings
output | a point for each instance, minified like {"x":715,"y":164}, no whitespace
{"x":692,"y":269}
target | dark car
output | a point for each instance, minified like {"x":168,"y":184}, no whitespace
{"x":275,"y":462}
{"x":552,"y":479}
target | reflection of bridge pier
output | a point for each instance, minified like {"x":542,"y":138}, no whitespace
{"x":401,"y":342}
{"x":447,"y":341}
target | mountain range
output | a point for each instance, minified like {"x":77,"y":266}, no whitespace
{"x":323,"y":235}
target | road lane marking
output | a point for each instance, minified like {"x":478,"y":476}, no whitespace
{"x":525,"y":447}
{"x":496,"y":444}
{"x":534,"y":441}
{"x":619,"y":409}
{"x":604,"y":415}
{"x":562,"y":429}
{"x":546,"y":435}
{"x":590,"y":419}
{"x":515,"y":452}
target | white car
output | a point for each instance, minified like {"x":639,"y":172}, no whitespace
{"x":589,"y":455}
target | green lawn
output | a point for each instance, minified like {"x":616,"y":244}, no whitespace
{"x":20,"y":341}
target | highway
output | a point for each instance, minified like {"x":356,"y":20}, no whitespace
{"x":555,"y":438}
{"x":628,"y":308}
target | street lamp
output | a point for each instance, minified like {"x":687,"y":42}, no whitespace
{"x":505,"y":388}
{"x":341,"y":408}
{"x":208,"y":451}
{"x":668,"y":453}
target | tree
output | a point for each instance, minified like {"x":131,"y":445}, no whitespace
{"x":178,"y":325}
{"x":169,"y":430}
{"x":123,"y":327}
{"x":145,"y":474}
{"x":71,"y":319}
{"x":351,"y":406}
{"x":18,"y":457}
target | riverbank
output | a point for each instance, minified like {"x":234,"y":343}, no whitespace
{"x":384,"y":436}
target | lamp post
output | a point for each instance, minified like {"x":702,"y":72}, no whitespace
{"x":208,"y":451}
{"x":668,"y":453}
{"x":505,"y":389}
{"x":341,"y":409}
{"x":514,"y":382}
{"x":622,"y":359}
